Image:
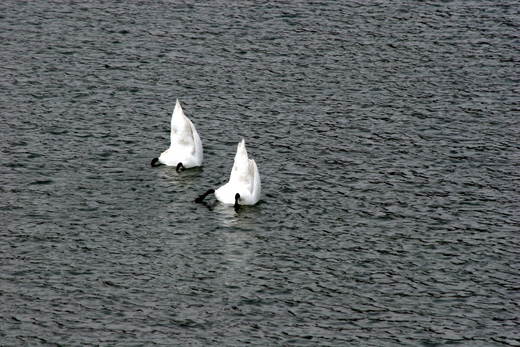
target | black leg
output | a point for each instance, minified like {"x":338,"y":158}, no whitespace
{"x":203,"y":196}
{"x":236,"y":205}
{"x":179,"y":167}
{"x":155,"y":162}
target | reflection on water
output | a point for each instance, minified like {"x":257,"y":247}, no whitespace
{"x":226,"y":214}
{"x":237,"y":252}
{"x":244,"y":217}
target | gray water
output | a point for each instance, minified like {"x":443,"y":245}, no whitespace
{"x":387,"y":139}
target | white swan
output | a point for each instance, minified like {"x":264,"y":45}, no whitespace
{"x":244,"y":185}
{"x":185,"y":148}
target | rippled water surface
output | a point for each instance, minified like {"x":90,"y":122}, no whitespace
{"x":387,"y":138}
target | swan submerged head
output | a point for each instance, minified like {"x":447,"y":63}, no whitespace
{"x":185,"y":149}
{"x":243,"y":187}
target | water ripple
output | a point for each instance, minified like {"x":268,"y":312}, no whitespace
{"x":386,"y":138}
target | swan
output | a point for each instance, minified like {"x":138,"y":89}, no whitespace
{"x":186,"y":148}
{"x":244,"y":185}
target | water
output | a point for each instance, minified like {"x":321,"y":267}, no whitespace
{"x":386,"y":135}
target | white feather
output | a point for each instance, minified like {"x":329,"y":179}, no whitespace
{"x":185,"y":146}
{"x":244,"y":180}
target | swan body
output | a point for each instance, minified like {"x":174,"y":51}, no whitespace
{"x":185,"y":146}
{"x":244,"y":181}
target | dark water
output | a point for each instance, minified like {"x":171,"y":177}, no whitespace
{"x":387,"y":138}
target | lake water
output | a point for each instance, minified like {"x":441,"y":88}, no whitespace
{"x":387,"y":139}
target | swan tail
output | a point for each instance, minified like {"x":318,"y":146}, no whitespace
{"x":241,"y":173}
{"x":182,"y":130}
{"x":257,"y":185}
